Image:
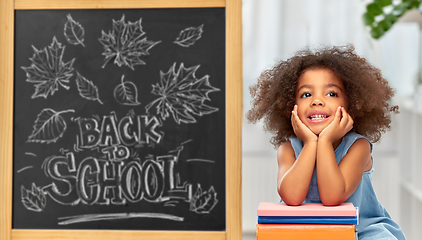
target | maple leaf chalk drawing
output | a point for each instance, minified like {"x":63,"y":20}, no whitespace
{"x":126,"y":43}
{"x":182,"y":94}
{"x":74,"y":32}
{"x":49,"y":126}
{"x":189,"y":36}
{"x":33,"y":199}
{"x":126,"y":93}
{"x":48,"y":71}
{"x":87,"y":89}
{"x":203,"y":201}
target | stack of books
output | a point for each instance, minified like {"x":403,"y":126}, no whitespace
{"x":307,"y":221}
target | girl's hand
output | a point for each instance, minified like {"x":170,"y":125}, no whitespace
{"x":341,"y":124}
{"x":301,"y":130}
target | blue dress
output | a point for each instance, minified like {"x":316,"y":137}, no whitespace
{"x":374,"y":220}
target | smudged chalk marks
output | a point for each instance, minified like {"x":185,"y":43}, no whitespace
{"x":87,"y":89}
{"x":49,"y":126}
{"x":33,"y":199}
{"x":25,"y":168}
{"x":115,"y":216}
{"x":31,"y":154}
{"x":181,"y":94}
{"x":171,"y":203}
{"x":125,"y":44}
{"x":48,"y":71}
{"x":200,"y":160}
{"x":189,"y":36}
{"x":126,"y":93}
{"x":74,"y":32}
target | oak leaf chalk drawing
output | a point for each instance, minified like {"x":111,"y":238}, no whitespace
{"x":189,"y":36}
{"x":87,"y":89}
{"x":34,"y":199}
{"x":74,"y":32}
{"x":182,"y":95}
{"x":126,"y":93}
{"x":49,"y":126}
{"x":48,"y":70}
{"x":203,"y":201}
{"x":125,"y":43}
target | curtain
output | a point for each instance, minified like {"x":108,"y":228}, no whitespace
{"x":274,"y":29}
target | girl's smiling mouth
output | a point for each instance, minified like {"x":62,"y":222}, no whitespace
{"x":317,"y":117}
{"x":320,"y":116}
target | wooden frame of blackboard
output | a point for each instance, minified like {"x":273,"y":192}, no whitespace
{"x":233,"y":118}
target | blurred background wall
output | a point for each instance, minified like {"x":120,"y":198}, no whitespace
{"x":273,"y":30}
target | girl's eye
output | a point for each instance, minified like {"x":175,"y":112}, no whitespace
{"x":305,"y":95}
{"x":332,"y":94}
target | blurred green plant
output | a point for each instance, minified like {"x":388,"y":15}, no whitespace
{"x":380,"y":15}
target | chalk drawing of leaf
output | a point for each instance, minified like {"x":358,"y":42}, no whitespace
{"x":125,"y":44}
{"x":87,"y":89}
{"x":34,"y":199}
{"x":74,"y":32}
{"x":189,"y":36}
{"x":48,"y":70}
{"x":203,"y":202}
{"x":126,"y":93}
{"x":182,"y":94}
{"x":49,"y":126}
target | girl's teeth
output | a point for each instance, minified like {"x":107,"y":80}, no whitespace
{"x":317,"y":116}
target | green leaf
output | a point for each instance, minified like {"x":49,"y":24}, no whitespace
{"x":400,"y":9}
{"x":385,"y":24}
{"x":368,"y":19}
{"x":384,"y":3}
{"x":414,"y":4}
{"x":377,"y":32}
{"x":391,"y":18}
{"x":374,"y":9}
{"x":410,"y":2}
{"x":407,"y":5}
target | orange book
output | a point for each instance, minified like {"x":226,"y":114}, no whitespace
{"x":305,"y":232}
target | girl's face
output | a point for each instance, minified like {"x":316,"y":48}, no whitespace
{"x":318,"y":95}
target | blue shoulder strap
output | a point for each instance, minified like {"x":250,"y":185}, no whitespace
{"x":297,"y":145}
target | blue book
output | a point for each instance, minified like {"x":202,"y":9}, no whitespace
{"x":308,"y":220}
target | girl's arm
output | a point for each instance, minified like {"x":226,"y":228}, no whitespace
{"x":294,"y":175}
{"x":337,"y":182}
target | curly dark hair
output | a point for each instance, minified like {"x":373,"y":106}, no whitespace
{"x":368,"y":93}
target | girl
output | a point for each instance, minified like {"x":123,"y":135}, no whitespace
{"x":325,"y":107}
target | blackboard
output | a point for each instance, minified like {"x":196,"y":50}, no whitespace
{"x":119,"y":119}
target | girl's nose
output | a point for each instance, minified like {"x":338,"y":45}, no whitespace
{"x":317,"y":102}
